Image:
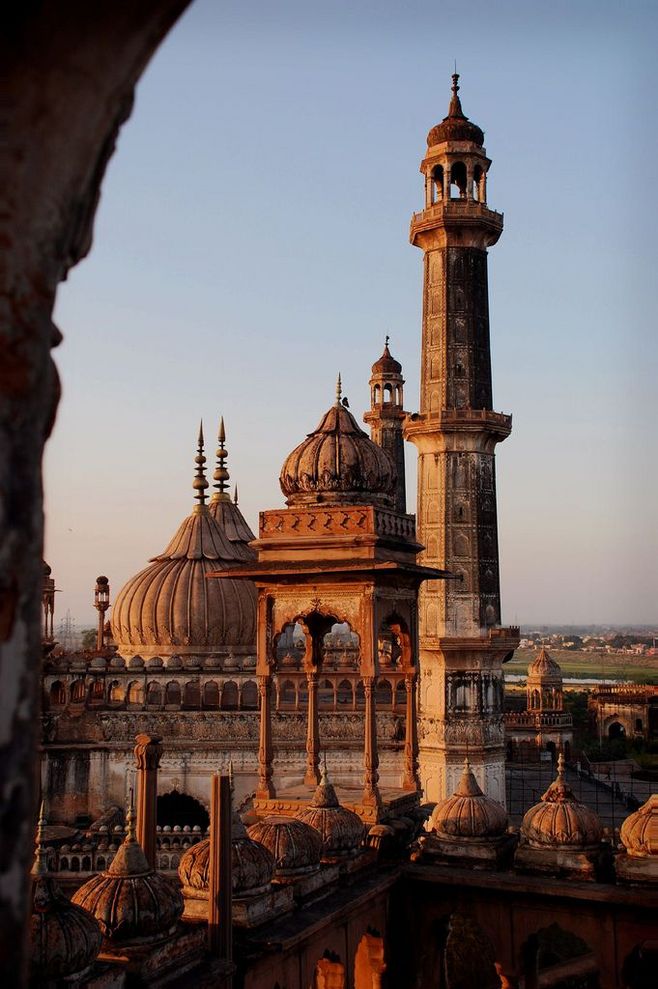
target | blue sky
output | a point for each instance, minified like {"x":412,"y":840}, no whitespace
{"x":252,"y":241}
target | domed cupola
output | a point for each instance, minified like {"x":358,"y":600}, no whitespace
{"x":171,"y":608}
{"x":338,"y":464}
{"x":64,"y":938}
{"x":468,"y":813}
{"x":252,"y":865}
{"x":341,"y":829}
{"x":544,"y":684}
{"x":131,"y":903}
{"x":295,"y":846}
{"x":639,"y":836}
{"x":456,"y":126}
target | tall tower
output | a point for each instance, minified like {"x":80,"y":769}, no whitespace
{"x":386,"y":417}
{"x":462,"y":645}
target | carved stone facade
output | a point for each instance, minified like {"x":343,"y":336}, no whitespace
{"x":456,"y":432}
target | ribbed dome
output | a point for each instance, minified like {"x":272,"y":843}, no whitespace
{"x":639,"y":832}
{"x":559,"y":820}
{"x":386,"y":364}
{"x":341,"y":829}
{"x":252,"y":866}
{"x":131,"y":902}
{"x":233,"y":524}
{"x":469,"y":813}
{"x":544,"y":667}
{"x":456,"y":126}
{"x":338,"y":464}
{"x":296,"y":847}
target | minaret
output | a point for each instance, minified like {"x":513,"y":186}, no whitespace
{"x":386,"y":417}
{"x":462,"y":645}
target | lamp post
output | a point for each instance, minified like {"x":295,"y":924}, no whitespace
{"x":101,"y":603}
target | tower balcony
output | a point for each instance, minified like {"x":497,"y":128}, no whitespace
{"x":452,"y":215}
{"x":476,"y":429}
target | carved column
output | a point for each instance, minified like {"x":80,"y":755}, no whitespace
{"x":370,"y":756}
{"x":265,"y":786}
{"x":312,"y":776}
{"x":148,"y":751}
{"x":219,"y":871}
{"x":411,"y":781}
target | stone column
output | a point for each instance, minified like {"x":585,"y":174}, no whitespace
{"x":411,"y":781}
{"x":371,"y":795}
{"x":265,"y":787}
{"x":312,"y":776}
{"x":148,"y":751}
{"x":220,"y":926}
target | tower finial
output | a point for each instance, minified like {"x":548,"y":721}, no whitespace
{"x":455,"y":109}
{"x":199,"y":484}
{"x":235,"y":495}
{"x":339,"y":389}
{"x":387,"y":338}
{"x":130,"y":818}
{"x":221,"y":475}
{"x":560,"y":768}
{"x":40,"y":867}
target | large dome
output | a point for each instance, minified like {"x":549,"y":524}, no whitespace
{"x":456,"y":126}
{"x":172,"y":607}
{"x":338,"y":464}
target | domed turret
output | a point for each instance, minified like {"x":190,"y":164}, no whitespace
{"x":386,"y":417}
{"x":341,"y":829}
{"x":456,"y":126}
{"x":130,"y":901}
{"x":559,"y":819}
{"x":639,"y":832}
{"x":296,"y":846}
{"x":171,"y":608}
{"x":252,"y":865}
{"x":544,"y":684}
{"x":64,"y":938}
{"x":469,"y":813}
{"x":338,"y":464}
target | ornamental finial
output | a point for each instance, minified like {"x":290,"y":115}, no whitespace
{"x":199,"y":484}
{"x":40,"y":867}
{"x":339,"y":389}
{"x":560,"y":768}
{"x":131,"y":834}
{"x":221,"y":475}
{"x":235,"y":495}
{"x":455,"y":109}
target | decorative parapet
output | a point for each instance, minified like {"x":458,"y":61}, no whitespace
{"x":336,"y":521}
{"x":537,"y":719}
{"x":462,"y":731}
{"x":462,"y":211}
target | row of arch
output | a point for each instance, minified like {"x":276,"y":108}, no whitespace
{"x":460,"y":181}
{"x":551,"y":699}
{"x":340,"y":695}
{"x":228,"y":696}
{"x":389,"y":394}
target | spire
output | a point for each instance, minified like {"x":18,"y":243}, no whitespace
{"x":339,"y":389}
{"x":235,"y":495}
{"x":221,"y":475}
{"x":560,"y":768}
{"x":131,"y":834}
{"x":200,"y":483}
{"x":40,"y":867}
{"x":455,"y":109}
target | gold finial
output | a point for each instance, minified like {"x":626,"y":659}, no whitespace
{"x":40,"y":867}
{"x":199,"y":484}
{"x":131,"y":834}
{"x":221,"y":475}
{"x":339,"y":389}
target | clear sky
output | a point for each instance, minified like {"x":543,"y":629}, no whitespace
{"x":252,"y":241}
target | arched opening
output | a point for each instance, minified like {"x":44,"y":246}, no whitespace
{"x":616,"y":730}
{"x":360,"y":696}
{"x":230,"y":697}
{"x":326,"y":696}
{"x":135,"y":693}
{"x":400,"y":695}
{"x":344,"y":694}
{"x":287,"y":696}
{"x":394,"y":644}
{"x":458,"y":180}
{"x":340,"y":647}
{"x":478,"y":185}
{"x":78,"y":692}
{"x":249,"y":696}
{"x":398,"y":396}
{"x":376,"y":395}
{"x":191,"y":695}
{"x":437,"y":182}
{"x":369,"y":963}
{"x":559,"y":959}
{"x":639,"y":727}
{"x":384,"y":695}
{"x":177,"y":809}
{"x":388,"y":394}
{"x":97,"y":691}
{"x":211,"y":695}
{"x":116,"y":694}
{"x":154,"y":694}
{"x":172,"y":694}
{"x":57,"y":695}
{"x":290,"y":646}
{"x":329,"y":972}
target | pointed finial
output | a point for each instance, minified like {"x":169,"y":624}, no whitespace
{"x":560,"y":768}
{"x":467,"y":765}
{"x":324,"y":775}
{"x":455,"y":109}
{"x":131,"y":834}
{"x":235,"y":495}
{"x":231,"y":780}
{"x":386,"y":341}
{"x":199,"y":484}
{"x":339,"y":389}
{"x":221,"y":475}
{"x":40,"y":867}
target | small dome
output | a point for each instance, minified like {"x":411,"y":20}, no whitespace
{"x":559,"y":820}
{"x":295,"y":846}
{"x":341,"y":829}
{"x":639,"y":832}
{"x":386,"y":364}
{"x":544,"y":667}
{"x":252,"y":866}
{"x":338,"y":464}
{"x":468,"y":813}
{"x":456,"y":126}
{"x":130,"y":901}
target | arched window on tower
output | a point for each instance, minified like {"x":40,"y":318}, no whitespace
{"x":388,"y":394}
{"x":437,"y":182}
{"x":376,"y":395}
{"x":458,"y":180}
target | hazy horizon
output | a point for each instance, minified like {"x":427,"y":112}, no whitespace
{"x":252,"y":241}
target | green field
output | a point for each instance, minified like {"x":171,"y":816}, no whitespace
{"x":616,"y":666}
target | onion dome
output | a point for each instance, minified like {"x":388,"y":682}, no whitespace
{"x":252,"y":865}
{"x":639,"y":832}
{"x":341,"y":829}
{"x":338,"y":464}
{"x":386,"y":364}
{"x":456,"y":126}
{"x":64,"y":938}
{"x":468,"y":813}
{"x":224,"y":510}
{"x":559,"y":820}
{"x":544,"y":667}
{"x":130,"y":901}
{"x":295,"y":846}
{"x":171,"y":607}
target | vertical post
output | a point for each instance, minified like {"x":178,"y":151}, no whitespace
{"x":265,"y":787}
{"x":220,"y":921}
{"x":371,"y":795}
{"x":312,"y":776}
{"x":411,"y":781}
{"x":148,"y":751}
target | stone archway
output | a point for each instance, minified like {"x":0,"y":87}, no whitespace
{"x":177,"y":809}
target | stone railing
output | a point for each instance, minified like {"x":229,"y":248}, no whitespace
{"x":538,"y":719}
{"x":458,"y":208}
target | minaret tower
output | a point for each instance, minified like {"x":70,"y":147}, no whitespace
{"x":386,"y":417}
{"x":462,"y":645}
